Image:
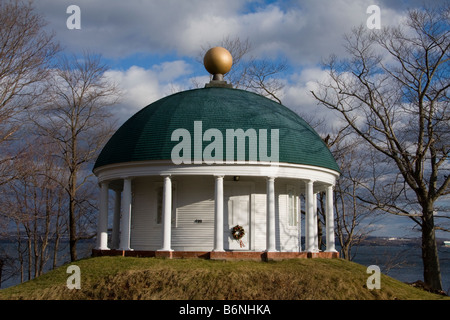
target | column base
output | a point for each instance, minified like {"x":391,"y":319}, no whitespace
{"x":164,"y":254}
{"x":102,"y":248}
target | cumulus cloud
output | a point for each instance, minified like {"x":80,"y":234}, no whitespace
{"x":303,"y":31}
{"x":142,"y":86}
{"x":121,"y":28}
{"x":297,"y":96}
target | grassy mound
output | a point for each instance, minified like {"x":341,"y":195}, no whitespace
{"x":128,"y":278}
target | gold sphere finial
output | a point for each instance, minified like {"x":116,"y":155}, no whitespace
{"x":218,"y":61}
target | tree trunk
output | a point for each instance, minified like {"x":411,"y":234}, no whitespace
{"x":1,"y":268}
{"x":72,"y":230}
{"x":55,"y":251}
{"x":72,"y":161}
{"x":431,"y":267}
{"x":72,"y":218}
{"x":345,"y":250}
{"x":30,"y":257}
{"x":57,"y":236}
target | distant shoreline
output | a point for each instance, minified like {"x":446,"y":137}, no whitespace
{"x":394,"y":241}
{"x":371,"y":240}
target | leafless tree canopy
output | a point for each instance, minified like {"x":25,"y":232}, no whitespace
{"x":393,"y":93}
{"x":25,"y":55}
{"x":34,"y":205}
{"x":78,"y":122}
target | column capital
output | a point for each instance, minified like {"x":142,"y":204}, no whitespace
{"x":271,"y":178}
{"x":219,"y":176}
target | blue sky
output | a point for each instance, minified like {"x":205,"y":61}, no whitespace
{"x":152,"y":46}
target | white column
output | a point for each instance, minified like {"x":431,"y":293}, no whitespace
{"x":315,"y":226}
{"x":102,"y":226}
{"x":116,"y":220}
{"x":218,"y":214}
{"x":309,"y":221}
{"x":270,"y":220}
{"x":167,"y":214}
{"x":330,"y":220}
{"x":126,"y":215}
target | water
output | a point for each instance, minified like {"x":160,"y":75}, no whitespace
{"x":84,"y":250}
{"x":402,"y":262}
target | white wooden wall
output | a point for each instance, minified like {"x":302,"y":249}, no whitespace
{"x":193,"y":215}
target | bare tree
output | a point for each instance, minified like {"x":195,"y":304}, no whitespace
{"x":31,"y":202}
{"x":26,"y":51}
{"x":393,"y":93}
{"x":249,"y":72}
{"x":354,"y":218}
{"x":25,"y":54}
{"x":78,"y":120}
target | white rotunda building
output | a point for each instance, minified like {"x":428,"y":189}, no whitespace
{"x":217,"y":173}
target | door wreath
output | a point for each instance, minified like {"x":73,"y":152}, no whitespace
{"x":238,"y":233}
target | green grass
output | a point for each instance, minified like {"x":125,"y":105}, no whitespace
{"x":151,"y":278}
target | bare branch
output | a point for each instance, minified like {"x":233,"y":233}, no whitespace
{"x":393,"y":93}
{"x":77,"y":120}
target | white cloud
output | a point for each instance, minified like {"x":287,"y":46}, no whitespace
{"x":142,"y":86}
{"x":170,"y":71}
{"x":139,"y":87}
{"x":121,"y":28}
{"x":297,"y":96}
{"x":304,"y":31}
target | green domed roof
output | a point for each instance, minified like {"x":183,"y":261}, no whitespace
{"x":147,"y":134}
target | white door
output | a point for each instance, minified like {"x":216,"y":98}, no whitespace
{"x":237,"y":212}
